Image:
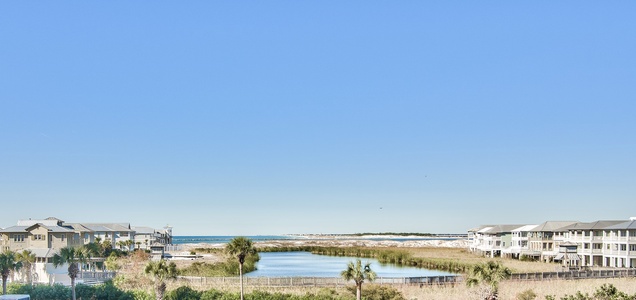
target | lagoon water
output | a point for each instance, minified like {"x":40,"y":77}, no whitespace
{"x":305,"y":264}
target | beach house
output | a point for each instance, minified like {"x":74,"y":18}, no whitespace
{"x":45,"y":238}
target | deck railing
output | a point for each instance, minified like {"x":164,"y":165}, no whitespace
{"x":316,"y":281}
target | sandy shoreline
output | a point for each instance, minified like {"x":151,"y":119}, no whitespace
{"x":348,"y":241}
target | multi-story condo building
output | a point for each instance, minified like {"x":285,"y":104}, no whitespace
{"x":519,"y":241}
{"x":619,"y":245}
{"x":544,"y":239}
{"x":607,"y":243}
{"x":589,"y":239}
{"x":46,"y":237}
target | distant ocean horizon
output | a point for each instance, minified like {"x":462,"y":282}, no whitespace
{"x":224,"y":239}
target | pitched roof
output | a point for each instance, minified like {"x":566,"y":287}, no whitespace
{"x":54,"y":228}
{"x":15,"y":229}
{"x":122,"y":227}
{"x":525,"y":228}
{"x":42,"y":252}
{"x":625,"y":225}
{"x":593,"y":225}
{"x":503,"y":228}
{"x":47,"y":222}
{"x":77,"y":227}
{"x":553,"y":225}
{"x":143,"y":230}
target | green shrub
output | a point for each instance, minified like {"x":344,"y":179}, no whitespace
{"x":183,"y":293}
{"x":527,"y":295}
{"x":377,"y":292}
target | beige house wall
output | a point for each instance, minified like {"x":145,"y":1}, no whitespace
{"x":60,"y":240}
{"x":38,"y":237}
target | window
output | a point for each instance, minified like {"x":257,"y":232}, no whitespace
{"x":63,"y":237}
{"x":124,"y":234}
{"x":597,"y":246}
{"x":87,"y":236}
{"x":38,"y":237}
{"x":632,"y":247}
{"x":632,"y":233}
{"x":586,"y":246}
{"x":18,"y":237}
{"x":623,"y":247}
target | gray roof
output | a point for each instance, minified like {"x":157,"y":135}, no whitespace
{"x":25,"y":228}
{"x":553,"y":226}
{"x":15,"y":229}
{"x":479,"y":228}
{"x":593,"y":225}
{"x":42,"y":252}
{"x":77,"y":227}
{"x":47,"y":222}
{"x":121,"y":227}
{"x":625,"y":225}
{"x":143,"y":230}
{"x":503,"y":228}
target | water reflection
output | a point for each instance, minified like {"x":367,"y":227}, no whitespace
{"x":305,"y":264}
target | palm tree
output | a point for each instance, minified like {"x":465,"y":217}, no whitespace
{"x":72,"y":257}
{"x":129,"y":243}
{"x":240,"y":247}
{"x":357,"y":273}
{"x":488,"y":274}
{"x":161,"y":271}
{"x":8,"y":264}
{"x":27,"y":258}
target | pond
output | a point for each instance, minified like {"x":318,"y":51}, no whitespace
{"x":306,"y":264}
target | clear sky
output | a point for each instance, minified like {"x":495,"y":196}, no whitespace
{"x":273,"y":117}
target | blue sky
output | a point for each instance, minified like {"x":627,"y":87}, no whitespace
{"x":273,"y":117}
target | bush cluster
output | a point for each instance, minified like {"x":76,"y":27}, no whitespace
{"x":604,"y":292}
{"x":108,"y":291}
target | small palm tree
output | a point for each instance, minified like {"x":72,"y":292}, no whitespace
{"x":27,"y":258}
{"x":129,"y":243}
{"x":160,"y":272}
{"x":488,"y":274}
{"x":72,"y":257}
{"x":240,"y":247}
{"x":357,"y":273}
{"x":8,"y":264}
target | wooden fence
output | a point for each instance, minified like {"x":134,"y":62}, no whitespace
{"x":421,"y":281}
{"x":315,"y":281}
{"x":586,"y":274}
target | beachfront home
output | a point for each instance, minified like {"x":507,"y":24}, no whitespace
{"x":589,"y":237}
{"x":46,"y":237}
{"x":519,"y":241}
{"x":606,"y":243}
{"x":619,"y":245}
{"x":545,"y":238}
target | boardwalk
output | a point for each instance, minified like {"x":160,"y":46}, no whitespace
{"x":314,"y":281}
{"x":421,"y":281}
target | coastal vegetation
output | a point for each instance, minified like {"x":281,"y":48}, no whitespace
{"x":618,"y":289}
{"x":161,"y":271}
{"x":487,"y":277}
{"x":8,"y":263}
{"x":241,"y":247}
{"x":358,"y":274}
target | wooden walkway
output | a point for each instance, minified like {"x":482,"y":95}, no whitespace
{"x":570,"y":275}
{"x":315,"y":281}
{"x":421,"y":281}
